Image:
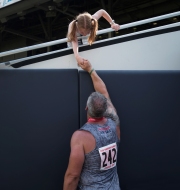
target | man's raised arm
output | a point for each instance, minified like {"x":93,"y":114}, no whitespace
{"x":98,"y":83}
{"x":100,"y":87}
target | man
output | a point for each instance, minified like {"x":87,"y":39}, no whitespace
{"x":93,"y":157}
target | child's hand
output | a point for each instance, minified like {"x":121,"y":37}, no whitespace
{"x":80,"y":60}
{"x":115,"y":26}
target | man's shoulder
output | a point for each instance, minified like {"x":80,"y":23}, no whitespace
{"x":80,"y":135}
{"x":83,"y":138}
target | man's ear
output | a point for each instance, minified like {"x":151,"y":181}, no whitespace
{"x":86,"y":108}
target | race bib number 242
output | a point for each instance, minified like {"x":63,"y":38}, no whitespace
{"x":108,"y":156}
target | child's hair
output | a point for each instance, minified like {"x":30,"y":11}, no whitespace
{"x":84,"y":21}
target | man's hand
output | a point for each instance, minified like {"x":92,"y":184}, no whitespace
{"x":86,"y":66}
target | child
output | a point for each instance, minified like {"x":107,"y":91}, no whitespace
{"x":83,"y":25}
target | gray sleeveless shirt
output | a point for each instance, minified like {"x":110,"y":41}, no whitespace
{"x":99,"y":169}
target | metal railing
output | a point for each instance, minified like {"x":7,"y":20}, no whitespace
{"x":64,"y":40}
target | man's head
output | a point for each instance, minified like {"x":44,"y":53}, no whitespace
{"x":96,"y":105}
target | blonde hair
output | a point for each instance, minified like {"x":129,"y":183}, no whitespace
{"x":84,"y":21}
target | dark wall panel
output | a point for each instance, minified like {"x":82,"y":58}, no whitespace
{"x":38,"y":114}
{"x":148,"y":105}
{"x":39,"y":111}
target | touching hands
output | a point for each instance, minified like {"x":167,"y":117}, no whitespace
{"x":80,"y":60}
{"x":115,"y":26}
{"x":86,"y":66}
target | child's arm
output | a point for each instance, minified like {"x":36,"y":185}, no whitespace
{"x":103,"y":13}
{"x":75,"y":47}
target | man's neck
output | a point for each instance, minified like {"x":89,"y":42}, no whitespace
{"x":100,"y":120}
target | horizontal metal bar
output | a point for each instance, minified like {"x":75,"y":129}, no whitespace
{"x":9,"y":63}
{"x":64,"y":40}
